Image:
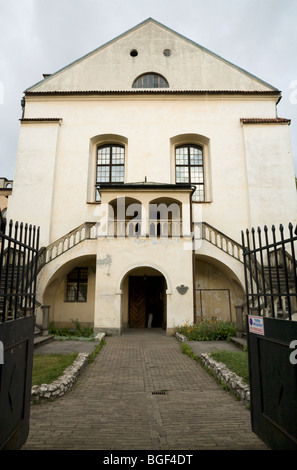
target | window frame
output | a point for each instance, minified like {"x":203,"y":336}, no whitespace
{"x":110,"y":165}
{"x":157,"y":78}
{"x":189,"y":166}
{"x":78,"y":280}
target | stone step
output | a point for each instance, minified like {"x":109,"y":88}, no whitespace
{"x":40,"y":340}
{"x":239,"y":342}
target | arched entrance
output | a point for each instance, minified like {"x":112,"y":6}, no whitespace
{"x":146,"y":295}
{"x":218,"y":289}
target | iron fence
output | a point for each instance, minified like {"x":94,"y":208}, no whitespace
{"x":270,"y":271}
{"x":18,"y":269}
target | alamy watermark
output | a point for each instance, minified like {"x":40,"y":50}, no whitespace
{"x":157,"y":221}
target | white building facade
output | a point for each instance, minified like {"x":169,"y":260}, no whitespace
{"x":142,"y":162}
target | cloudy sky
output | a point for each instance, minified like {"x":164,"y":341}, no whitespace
{"x":42,"y":36}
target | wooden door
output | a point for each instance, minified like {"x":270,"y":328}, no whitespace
{"x":137,"y":302}
{"x":141,"y":293}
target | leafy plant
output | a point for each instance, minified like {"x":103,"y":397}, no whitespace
{"x":185,"y":349}
{"x":77,"y":331}
{"x":208,"y":329}
{"x":96,"y":351}
{"x":82,"y":331}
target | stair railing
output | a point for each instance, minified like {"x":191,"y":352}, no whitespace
{"x":85,"y":231}
{"x":205,"y":231}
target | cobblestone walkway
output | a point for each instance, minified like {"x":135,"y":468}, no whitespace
{"x":142,"y":393}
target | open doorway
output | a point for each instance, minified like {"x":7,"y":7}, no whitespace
{"x":147,"y":301}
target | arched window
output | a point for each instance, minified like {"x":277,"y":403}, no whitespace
{"x":189,"y":168}
{"x":110,"y":163}
{"x":150,"y":80}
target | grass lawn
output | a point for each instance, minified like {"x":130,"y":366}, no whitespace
{"x":237,"y":362}
{"x":47,"y":368}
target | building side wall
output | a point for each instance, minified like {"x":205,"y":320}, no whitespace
{"x":34,"y":181}
{"x":270,"y":175}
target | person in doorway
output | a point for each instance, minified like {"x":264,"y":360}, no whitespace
{"x":150,"y":312}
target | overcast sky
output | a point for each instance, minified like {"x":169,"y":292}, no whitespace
{"x":42,"y":36}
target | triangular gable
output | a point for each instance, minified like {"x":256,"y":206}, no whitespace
{"x":189,"y":66}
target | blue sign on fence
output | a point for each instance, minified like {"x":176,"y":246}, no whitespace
{"x":256,"y":325}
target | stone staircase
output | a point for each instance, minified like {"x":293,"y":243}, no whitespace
{"x":40,"y":339}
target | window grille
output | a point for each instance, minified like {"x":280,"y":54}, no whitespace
{"x":189,"y":168}
{"x":77,"y":285}
{"x":150,"y":80}
{"x":110,"y":165}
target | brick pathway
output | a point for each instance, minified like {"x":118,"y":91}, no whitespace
{"x":141,"y":392}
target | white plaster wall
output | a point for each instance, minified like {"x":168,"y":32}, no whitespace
{"x":116,"y":258}
{"x":34,"y":179}
{"x":270,"y":175}
{"x":148,"y":125}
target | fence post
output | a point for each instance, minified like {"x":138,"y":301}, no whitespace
{"x":239,"y":321}
{"x":45,"y":319}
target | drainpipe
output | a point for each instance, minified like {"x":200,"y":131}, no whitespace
{"x":193,"y":256}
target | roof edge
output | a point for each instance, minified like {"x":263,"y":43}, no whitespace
{"x":48,"y":76}
{"x":265,"y":121}
{"x":146,"y":185}
{"x":214,"y":54}
{"x":168,"y":29}
{"x":158,"y":91}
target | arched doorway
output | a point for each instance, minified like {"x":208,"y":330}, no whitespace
{"x":146,"y":294}
{"x":218,"y":289}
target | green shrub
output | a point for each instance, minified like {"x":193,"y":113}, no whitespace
{"x":77,"y":331}
{"x":208,"y":329}
{"x":82,"y":331}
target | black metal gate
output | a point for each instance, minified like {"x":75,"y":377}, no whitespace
{"x":271,"y":292}
{"x":18,"y":272}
